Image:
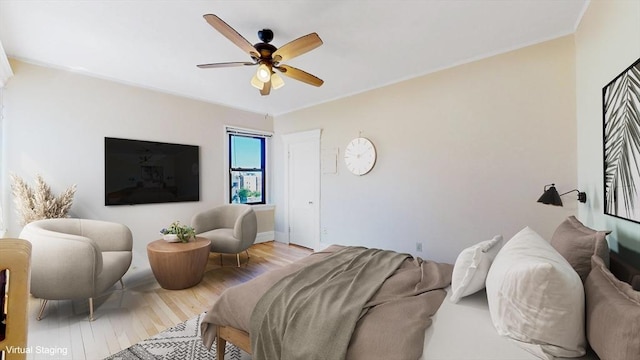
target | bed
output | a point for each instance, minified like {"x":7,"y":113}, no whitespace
{"x":467,"y":323}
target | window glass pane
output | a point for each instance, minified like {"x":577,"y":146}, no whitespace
{"x":246,"y":152}
{"x":246,"y":187}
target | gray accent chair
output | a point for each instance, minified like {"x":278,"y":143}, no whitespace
{"x":76,"y":258}
{"x":231,"y":228}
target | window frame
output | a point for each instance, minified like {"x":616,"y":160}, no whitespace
{"x":263,"y":163}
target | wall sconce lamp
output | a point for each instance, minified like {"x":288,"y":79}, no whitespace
{"x":551,"y":196}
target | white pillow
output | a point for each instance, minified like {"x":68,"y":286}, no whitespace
{"x":536,"y":299}
{"x":472,"y":266}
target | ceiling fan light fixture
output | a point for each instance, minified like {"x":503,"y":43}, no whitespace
{"x":256,"y":83}
{"x":264,"y":73}
{"x":276,"y":81}
{"x":266,"y":56}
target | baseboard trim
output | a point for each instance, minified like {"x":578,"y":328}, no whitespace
{"x":265,"y":236}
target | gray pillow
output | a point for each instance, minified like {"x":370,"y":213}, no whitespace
{"x":613,"y":314}
{"x":577,"y":243}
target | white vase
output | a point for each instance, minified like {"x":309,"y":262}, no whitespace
{"x":170,"y":238}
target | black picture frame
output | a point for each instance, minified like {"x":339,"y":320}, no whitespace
{"x":621,"y":144}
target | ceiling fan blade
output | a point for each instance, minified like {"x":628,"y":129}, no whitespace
{"x":300,"y":75}
{"x":225,"y":64}
{"x":266,"y":89}
{"x":297,"y":47}
{"x":228,"y":32}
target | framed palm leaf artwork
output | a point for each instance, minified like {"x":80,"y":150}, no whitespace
{"x":621,"y":118}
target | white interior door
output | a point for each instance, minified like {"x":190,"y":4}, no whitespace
{"x":304,"y":190}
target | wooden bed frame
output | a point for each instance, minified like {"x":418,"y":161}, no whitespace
{"x":237,"y":337}
{"x":621,"y":269}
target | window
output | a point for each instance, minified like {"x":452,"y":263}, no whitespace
{"x":247,"y":168}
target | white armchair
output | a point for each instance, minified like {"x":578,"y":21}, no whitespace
{"x":76,"y":258}
{"x":231,"y":228}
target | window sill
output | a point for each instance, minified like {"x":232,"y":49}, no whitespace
{"x":262,"y":207}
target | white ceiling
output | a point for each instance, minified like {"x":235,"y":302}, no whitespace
{"x":367,"y":43}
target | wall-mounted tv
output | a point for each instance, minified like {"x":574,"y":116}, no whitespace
{"x":143,"y":172}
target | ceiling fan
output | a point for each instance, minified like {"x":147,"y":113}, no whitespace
{"x":267,"y":57}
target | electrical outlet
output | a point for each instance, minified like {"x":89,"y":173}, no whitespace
{"x":419,"y":246}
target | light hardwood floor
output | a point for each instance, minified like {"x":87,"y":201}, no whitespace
{"x":143,"y":308}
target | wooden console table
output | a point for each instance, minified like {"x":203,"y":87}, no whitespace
{"x":178,"y":265}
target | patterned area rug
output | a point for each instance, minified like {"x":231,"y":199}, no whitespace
{"x":179,"y":342}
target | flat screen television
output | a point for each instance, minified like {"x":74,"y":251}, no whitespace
{"x":144,"y":172}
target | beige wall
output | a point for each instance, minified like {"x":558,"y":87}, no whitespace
{"x":463,"y":154}
{"x":55,"y":124}
{"x":607,"y":42}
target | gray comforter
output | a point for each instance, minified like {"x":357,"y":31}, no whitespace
{"x":319,"y":305}
{"x":389,"y":324}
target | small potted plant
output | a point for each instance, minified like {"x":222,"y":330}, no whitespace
{"x":178,"y":232}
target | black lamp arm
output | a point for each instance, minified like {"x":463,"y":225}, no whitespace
{"x":582,"y":196}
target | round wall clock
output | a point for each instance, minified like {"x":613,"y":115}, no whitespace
{"x":360,"y":156}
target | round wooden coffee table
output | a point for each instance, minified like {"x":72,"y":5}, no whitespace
{"x":178,"y":265}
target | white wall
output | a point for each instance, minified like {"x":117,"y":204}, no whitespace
{"x":55,"y":124}
{"x":607,"y":42}
{"x":463,"y":154}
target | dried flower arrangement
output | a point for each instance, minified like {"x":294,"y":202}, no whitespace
{"x":40,"y":203}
